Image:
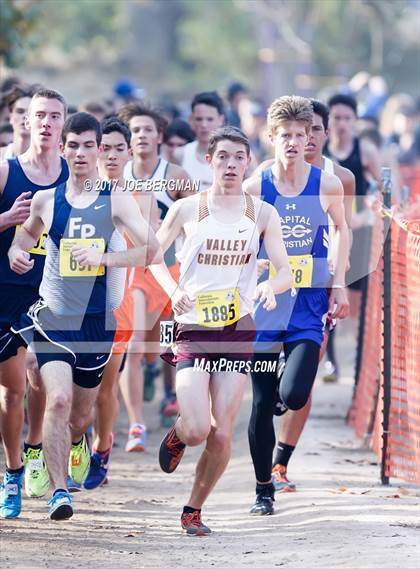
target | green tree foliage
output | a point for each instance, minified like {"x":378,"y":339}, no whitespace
{"x":18,"y":20}
{"x":217,"y":41}
{"x":81,"y":22}
{"x":344,"y":36}
{"x":30,"y":27}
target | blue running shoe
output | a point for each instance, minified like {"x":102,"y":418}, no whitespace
{"x":73,"y":486}
{"x":11,"y":495}
{"x":60,"y":506}
{"x":98,"y":470}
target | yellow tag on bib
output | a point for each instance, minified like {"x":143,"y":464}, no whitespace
{"x":302,"y":268}
{"x":39,"y":248}
{"x":69,"y":267}
{"x":218,"y":308}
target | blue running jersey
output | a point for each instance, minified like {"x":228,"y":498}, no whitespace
{"x":305,"y":229}
{"x":17,"y":183}
{"x":305,"y":235}
{"x":68,"y":288}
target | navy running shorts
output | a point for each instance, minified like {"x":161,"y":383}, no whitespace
{"x":84,"y":342}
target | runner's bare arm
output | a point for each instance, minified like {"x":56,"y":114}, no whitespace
{"x":170,"y":229}
{"x":263,"y":166}
{"x":175,"y":172}
{"x":19,"y":212}
{"x":333,"y":190}
{"x":126,"y":215}
{"x":4,"y":172}
{"x":19,"y":258}
{"x":371,"y":160}
{"x":252,"y":186}
{"x":349,"y":185}
{"x":149,"y":208}
{"x":276,"y":250}
{"x":173,"y":223}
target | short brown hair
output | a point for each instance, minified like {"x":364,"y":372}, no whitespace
{"x":127,"y":112}
{"x":50,"y":94}
{"x":289,"y":108}
{"x":20,"y":92}
{"x":228,"y":133}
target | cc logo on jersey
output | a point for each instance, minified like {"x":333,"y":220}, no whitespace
{"x":297,"y":231}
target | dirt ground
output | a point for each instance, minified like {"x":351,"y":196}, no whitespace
{"x":340,"y":517}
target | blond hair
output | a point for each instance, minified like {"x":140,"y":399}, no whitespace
{"x":289,"y":108}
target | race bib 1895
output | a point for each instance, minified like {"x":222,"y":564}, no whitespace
{"x":302,"y":269}
{"x":218,"y":308}
{"x":69,"y":267}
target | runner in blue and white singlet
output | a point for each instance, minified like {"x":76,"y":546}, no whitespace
{"x":304,"y":197}
{"x":83,"y":282}
{"x":305,"y":234}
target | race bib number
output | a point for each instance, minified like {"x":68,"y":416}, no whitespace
{"x":302,"y":269}
{"x":39,"y":248}
{"x":69,"y":267}
{"x":218,"y":308}
{"x":166,"y":333}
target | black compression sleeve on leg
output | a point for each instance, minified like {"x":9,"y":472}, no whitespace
{"x":261,"y":433}
{"x":302,"y":358}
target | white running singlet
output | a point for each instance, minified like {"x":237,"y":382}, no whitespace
{"x":219,"y":264}
{"x":195,"y":168}
{"x":163,"y":198}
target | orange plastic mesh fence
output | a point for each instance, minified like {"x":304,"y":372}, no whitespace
{"x":363,"y":409}
{"x":403,"y":453}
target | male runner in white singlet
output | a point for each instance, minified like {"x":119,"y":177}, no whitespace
{"x":214,"y":330}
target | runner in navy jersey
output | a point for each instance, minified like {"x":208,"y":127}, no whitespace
{"x":83,"y":282}
{"x":34,"y":171}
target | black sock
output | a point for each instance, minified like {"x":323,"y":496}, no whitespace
{"x":14,"y":470}
{"x":265,"y":488}
{"x":27,"y":446}
{"x":283,"y":453}
{"x":77,"y":443}
{"x":188,"y":510}
{"x":59,"y":490}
